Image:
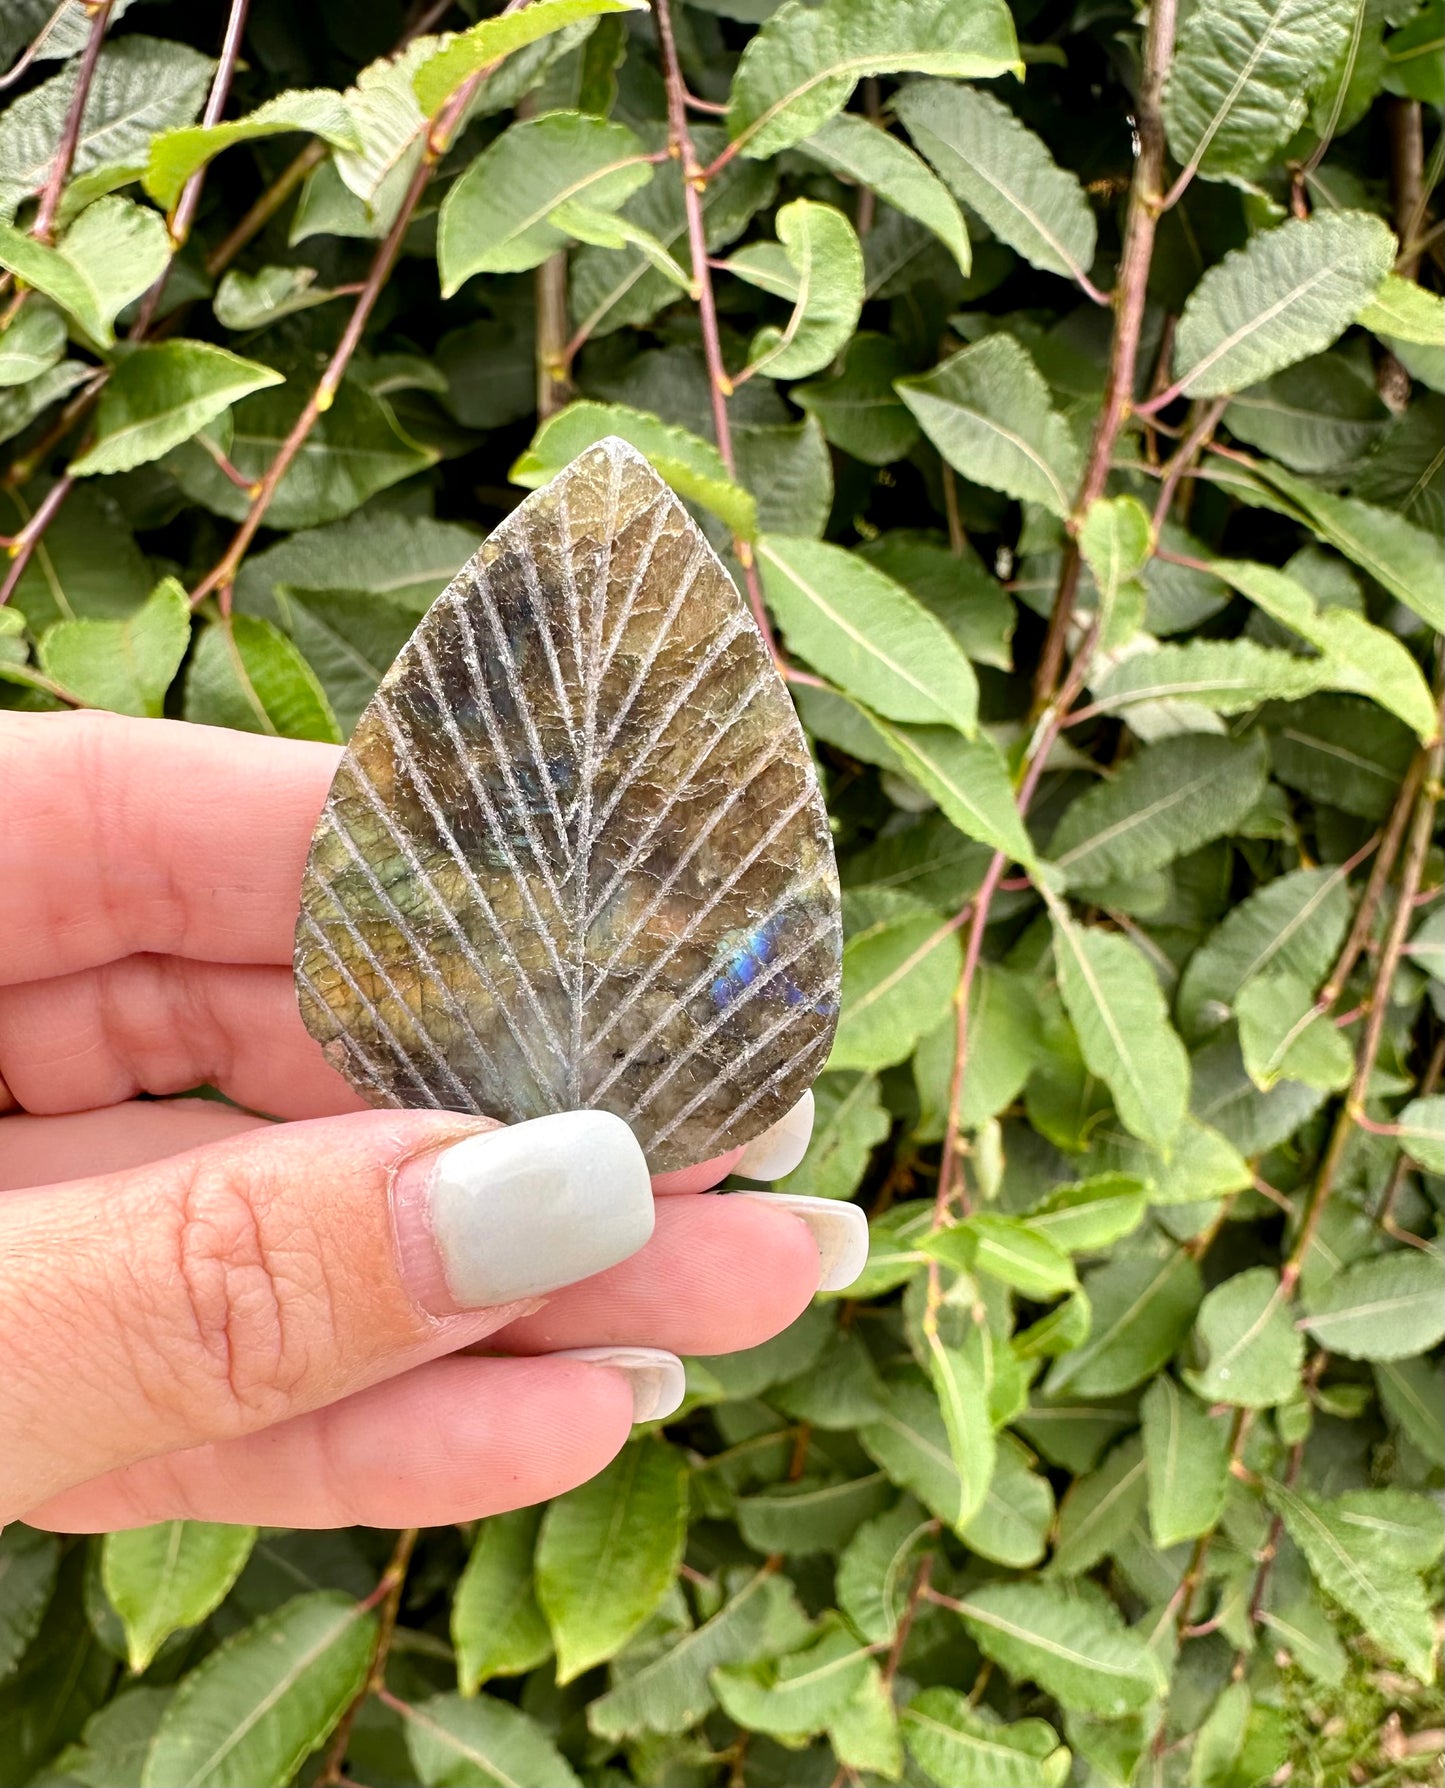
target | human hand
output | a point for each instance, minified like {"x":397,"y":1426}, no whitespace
{"x":206,"y":1314}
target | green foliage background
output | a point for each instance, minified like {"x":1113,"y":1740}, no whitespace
{"x":1121,"y":1464}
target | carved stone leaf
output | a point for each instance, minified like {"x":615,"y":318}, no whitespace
{"x":575,"y":853}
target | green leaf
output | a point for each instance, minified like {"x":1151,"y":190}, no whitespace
{"x":849,"y":1121}
{"x":953,"y":1742}
{"x":253,"y":300}
{"x":1170,"y":799}
{"x":112,"y":253}
{"x":611,"y":229}
{"x":246,"y":674}
{"x":899,"y":973}
{"x":1362,"y":657}
{"x":1402,"y":311}
{"x":800,"y":1693}
{"x":858,"y":150}
{"x":162,"y":1579}
{"x":1283,"y":1037}
{"x":1227,"y":676}
{"x":1005,"y":173}
{"x":1012,"y":1524}
{"x":1252,"y":1350}
{"x":965,"y":597}
{"x":1285,"y":295}
{"x":1008,"y":1249}
{"x":1186,"y":1456}
{"x":858,"y":627}
{"x":1384,"y":1308}
{"x":817,"y":264}
{"x":125,"y":666}
{"x":1413,"y":57}
{"x":21,"y":404}
{"x":141,"y":85}
{"x":495,"y":218}
{"x":1422,"y":1132}
{"x":910,"y":1440}
{"x":159,"y":396}
{"x":483,"y":1743}
{"x":865,"y":1735}
{"x":1407,"y":561}
{"x":354,"y":450}
{"x":1240,"y":80}
{"x":1294,"y":924}
{"x":32,"y":343}
{"x":265,"y":1698}
{"x":174,"y":155}
{"x":1005,"y":1045}
{"x":29,"y":1561}
{"x":1319,"y":416}
{"x":1118,"y":1013}
{"x":1116,"y":540}
{"x":1200,"y":1162}
{"x":988,"y":412}
{"x":1362,"y":1576}
{"x":456,"y":57}
{"x":877,"y":1567}
{"x":1074,"y":1645}
{"x":805,"y":1518}
{"x":693,"y":467}
{"x":857,"y":407}
{"x":497,"y":1627}
{"x":1142,"y":1311}
{"x":800,"y":69}
{"x":1100,"y":1510}
{"x":673,"y":1691}
{"x":1411,"y":1391}
{"x":609,"y":1551}
{"x":962,"y":1392}
{"x":1089,"y":1214}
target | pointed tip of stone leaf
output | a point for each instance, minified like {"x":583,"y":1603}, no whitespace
{"x":575,"y":853}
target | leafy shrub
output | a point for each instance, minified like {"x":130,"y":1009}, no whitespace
{"x":1082,"y":436}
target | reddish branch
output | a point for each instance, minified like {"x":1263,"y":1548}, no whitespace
{"x":43,"y":227}
{"x":1130,"y":294}
{"x":387,"y":1596}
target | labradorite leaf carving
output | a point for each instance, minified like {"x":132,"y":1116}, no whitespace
{"x":575,"y":853}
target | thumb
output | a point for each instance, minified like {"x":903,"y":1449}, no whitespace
{"x":220,"y":1291}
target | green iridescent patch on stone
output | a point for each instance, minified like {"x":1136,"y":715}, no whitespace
{"x":575,"y":853}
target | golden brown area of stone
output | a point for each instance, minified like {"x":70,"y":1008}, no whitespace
{"x":575,"y":853}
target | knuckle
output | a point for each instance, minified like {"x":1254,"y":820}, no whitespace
{"x":248,"y":1301}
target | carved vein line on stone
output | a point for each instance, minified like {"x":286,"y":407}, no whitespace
{"x":369,"y":1006}
{"x":635,"y":763}
{"x":484,"y":801}
{"x":527,"y":559}
{"x":710,"y":1030}
{"x":524,"y":709}
{"x":406,"y":758}
{"x":379,"y":968}
{"x":643,"y":843}
{"x":504,"y":757}
{"x":688,"y":994}
{"x":778,"y":1075}
{"x":420,"y":954}
{"x":662,"y":507}
{"x":363,"y":1063}
{"x":736,"y":1066}
{"x":691,"y":571}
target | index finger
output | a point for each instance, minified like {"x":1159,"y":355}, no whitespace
{"x":127,"y":836}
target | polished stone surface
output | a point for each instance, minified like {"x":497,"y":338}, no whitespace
{"x":575,"y":853}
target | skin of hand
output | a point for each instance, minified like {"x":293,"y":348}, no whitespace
{"x":388,"y":1318}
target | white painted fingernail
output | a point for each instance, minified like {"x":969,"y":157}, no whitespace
{"x":658,"y":1378}
{"x":840,"y":1231}
{"x":514,"y":1212}
{"x":780,"y":1148}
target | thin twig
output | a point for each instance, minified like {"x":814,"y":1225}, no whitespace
{"x":44,"y":226}
{"x":1130,"y":295}
{"x":720,"y":386}
{"x":29,"y":536}
{"x":1407,"y":174}
{"x":265,"y":208}
{"x":387,"y":1597}
{"x":32,"y":49}
{"x":1184,"y":457}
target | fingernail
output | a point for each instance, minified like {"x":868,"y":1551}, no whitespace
{"x":657,"y":1378}
{"x":839,"y":1230}
{"x":781,"y":1147}
{"x":521,"y":1210}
